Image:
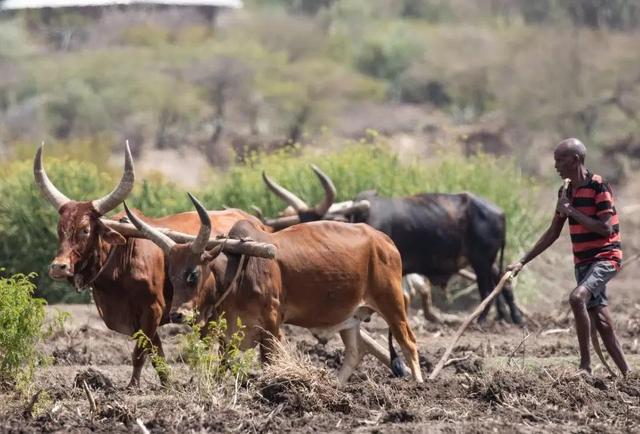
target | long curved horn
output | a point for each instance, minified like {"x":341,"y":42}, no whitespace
{"x":329,"y":191}
{"x":285,"y":194}
{"x":160,"y":239}
{"x":204,"y":233}
{"x":48,"y":190}
{"x":122,"y":190}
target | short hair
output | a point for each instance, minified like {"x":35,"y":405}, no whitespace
{"x":574,"y":146}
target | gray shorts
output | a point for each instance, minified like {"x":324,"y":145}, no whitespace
{"x":594,"y":276}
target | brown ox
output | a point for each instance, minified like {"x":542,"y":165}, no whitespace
{"x":130,"y":287}
{"x":327,"y":276}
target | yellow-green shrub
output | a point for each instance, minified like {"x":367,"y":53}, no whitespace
{"x":21,"y":320}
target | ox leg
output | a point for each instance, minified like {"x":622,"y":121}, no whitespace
{"x":407,"y":302}
{"x":485,"y":282}
{"x":427,"y":302}
{"x":407,"y":341}
{"x":270,"y":335}
{"x":353,"y":353}
{"x":160,"y":365}
{"x":150,"y":322}
{"x":507,"y":295}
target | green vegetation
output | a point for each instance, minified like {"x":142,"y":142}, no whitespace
{"x":209,"y":360}
{"x":21,"y":320}
{"x":159,"y":363}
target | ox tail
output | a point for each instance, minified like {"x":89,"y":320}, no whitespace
{"x":397,"y":367}
{"x":504,"y":242}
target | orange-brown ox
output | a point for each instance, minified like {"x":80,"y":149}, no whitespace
{"x":327,"y":276}
{"x":130,"y":287}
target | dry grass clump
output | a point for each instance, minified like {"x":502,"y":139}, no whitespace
{"x":290,"y":379}
{"x":560,"y":396}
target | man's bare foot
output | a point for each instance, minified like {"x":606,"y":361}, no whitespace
{"x":582,"y":372}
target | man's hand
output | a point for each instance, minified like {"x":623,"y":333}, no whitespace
{"x":515,"y":268}
{"x":563,"y":207}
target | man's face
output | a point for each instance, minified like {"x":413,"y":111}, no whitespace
{"x":565,"y":163}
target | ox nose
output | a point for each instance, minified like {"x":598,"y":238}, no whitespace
{"x":60,"y":270}
{"x":176,"y":317}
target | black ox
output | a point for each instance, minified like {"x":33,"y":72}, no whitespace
{"x":437,"y":235}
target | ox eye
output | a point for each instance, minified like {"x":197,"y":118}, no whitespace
{"x":192,"y":276}
{"x":85,"y":232}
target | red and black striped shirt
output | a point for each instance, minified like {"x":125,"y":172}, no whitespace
{"x":594,"y":199}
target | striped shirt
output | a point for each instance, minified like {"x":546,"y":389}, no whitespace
{"x":594,"y":199}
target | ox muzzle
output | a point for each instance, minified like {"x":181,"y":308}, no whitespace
{"x":60,"y":269}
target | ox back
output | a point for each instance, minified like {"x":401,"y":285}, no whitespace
{"x":438,"y":234}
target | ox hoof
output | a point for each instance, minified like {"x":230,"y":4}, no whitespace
{"x":516,"y":317}
{"x":398,"y":368}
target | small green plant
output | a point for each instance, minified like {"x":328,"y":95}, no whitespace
{"x":159,"y":363}
{"x":57,"y":325}
{"x":21,"y":320}
{"x":212,"y":356}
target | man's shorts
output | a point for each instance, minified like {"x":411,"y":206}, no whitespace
{"x":594,"y":276}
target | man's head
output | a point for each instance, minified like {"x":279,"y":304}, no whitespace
{"x":569,"y":157}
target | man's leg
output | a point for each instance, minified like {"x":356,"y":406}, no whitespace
{"x":604,"y":324}
{"x":578,"y":300}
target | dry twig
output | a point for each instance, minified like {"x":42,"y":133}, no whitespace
{"x":467,"y":321}
{"x":92,"y":401}
{"x":517,"y":348}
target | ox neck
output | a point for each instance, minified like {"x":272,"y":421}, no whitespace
{"x":92,"y":271}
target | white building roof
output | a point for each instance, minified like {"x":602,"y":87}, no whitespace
{"x":36,"y":4}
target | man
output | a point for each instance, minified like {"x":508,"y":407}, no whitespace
{"x":593,"y":221}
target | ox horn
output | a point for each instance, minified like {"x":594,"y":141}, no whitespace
{"x":48,"y":190}
{"x":329,"y":191}
{"x":284,"y":194}
{"x":122,"y":190}
{"x":160,"y":239}
{"x":200,"y":243}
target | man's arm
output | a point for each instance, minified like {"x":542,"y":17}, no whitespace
{"x":547,"y":239}
{"x":601,"y":225}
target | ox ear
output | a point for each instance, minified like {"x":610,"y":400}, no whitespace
{"x":225,"y":268}
{"x":111,"y":236}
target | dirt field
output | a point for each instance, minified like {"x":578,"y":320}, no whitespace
{"x":497,"y":385}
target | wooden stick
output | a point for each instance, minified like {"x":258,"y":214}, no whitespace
{"x":596,"y":346}
{"x":251,"y":248}
{"x":513,"y":353}
{"x":92,"y":401}
{"x":467,"y":321}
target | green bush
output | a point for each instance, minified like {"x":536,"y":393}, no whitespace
{"x":21,"y":320}
{"x":208,"y":362}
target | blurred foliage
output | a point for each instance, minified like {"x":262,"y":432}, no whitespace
{"x":166,"y":78}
